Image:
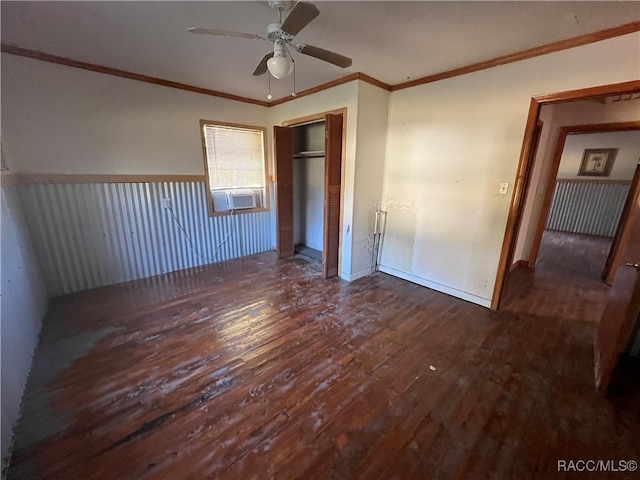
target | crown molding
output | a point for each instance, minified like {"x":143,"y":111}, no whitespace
{"x":525,"y":54}
{"x":69,"y":62}
{"x":503,"y":60}
{"x":334,"y":83}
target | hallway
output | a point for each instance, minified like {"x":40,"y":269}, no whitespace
{"x":566,"y":280}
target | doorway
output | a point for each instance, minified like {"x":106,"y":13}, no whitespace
{"x":526,"y":171}
{"x":593,"y":179}
{"x":578,"y":223}
{"x":614,"y":309}
{"x":309,"y":155}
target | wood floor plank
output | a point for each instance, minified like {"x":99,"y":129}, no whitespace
{"x":258,"y":368}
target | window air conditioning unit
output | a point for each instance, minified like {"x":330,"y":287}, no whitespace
{"x":241,"y":199}
{"x":225,"y":200}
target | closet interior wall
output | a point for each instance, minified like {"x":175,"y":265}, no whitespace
{"x":308,"y":180}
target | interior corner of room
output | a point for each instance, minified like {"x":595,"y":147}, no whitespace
{"x":467,"y":184}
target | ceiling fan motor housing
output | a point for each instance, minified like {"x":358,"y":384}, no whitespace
{"x":275,"y":33}
{"x":282,"y":5}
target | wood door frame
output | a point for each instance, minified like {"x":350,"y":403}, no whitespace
{"x":526,"y":181}
{"x":525,"y":168}
{"x":553,"y":173}
{"x":318,"y":117}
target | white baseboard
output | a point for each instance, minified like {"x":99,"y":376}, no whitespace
{"x":350,"y":277}
{"x":469,"y":297}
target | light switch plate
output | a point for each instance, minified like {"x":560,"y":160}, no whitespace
{"x":504,"y":188}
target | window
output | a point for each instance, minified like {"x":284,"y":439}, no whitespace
{"x":235,"y":166}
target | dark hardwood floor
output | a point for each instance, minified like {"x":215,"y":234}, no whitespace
{"x":257,"y":368}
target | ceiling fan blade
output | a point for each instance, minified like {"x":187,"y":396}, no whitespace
{"x":225,"y":33}
{"x":300,"y":17}
{"x":261,"y":69}
{"x":326,"y":55}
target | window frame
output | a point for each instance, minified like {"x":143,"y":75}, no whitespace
{"x":203,"y":142}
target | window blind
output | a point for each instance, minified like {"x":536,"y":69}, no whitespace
{"x":235,"y":157}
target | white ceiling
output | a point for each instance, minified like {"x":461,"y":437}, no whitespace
{"x":390,"y":41}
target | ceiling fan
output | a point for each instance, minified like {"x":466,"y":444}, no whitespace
{"x":279,"y":61}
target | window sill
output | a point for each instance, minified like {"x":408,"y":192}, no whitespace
{"x":238,"y":212}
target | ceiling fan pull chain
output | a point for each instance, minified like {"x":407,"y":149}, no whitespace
{"x":293,"y":62}
{"x":294,"y":93}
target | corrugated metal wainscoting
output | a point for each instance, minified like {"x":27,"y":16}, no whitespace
{"x":588,"y":207}
{"x":89,"y":235}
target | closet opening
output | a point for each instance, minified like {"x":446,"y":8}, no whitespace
{"x":308,"y":189}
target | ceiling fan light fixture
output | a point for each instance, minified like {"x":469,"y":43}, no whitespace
{"x":280,"y":65}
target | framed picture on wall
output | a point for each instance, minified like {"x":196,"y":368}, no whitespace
{"x":597,"y":162}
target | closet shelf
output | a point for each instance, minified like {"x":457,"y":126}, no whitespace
{"x":309,"y":154}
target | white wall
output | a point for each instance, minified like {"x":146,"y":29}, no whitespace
{"x":58,"y":119}
{"x":373,"y":122}
{"x":624,"y":165}
{"x":451,"y":143}
{"x":584,"y":112}
{"x":23,"y":304}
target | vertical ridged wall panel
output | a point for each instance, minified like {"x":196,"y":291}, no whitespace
{"x":591,"y":208}
{"x":91,"y":235}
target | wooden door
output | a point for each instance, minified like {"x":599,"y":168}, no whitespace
{"x":332,"y":184}
{"x":610,"y":266}
{"x":623,"y":304}
{"x":283,"y":146}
